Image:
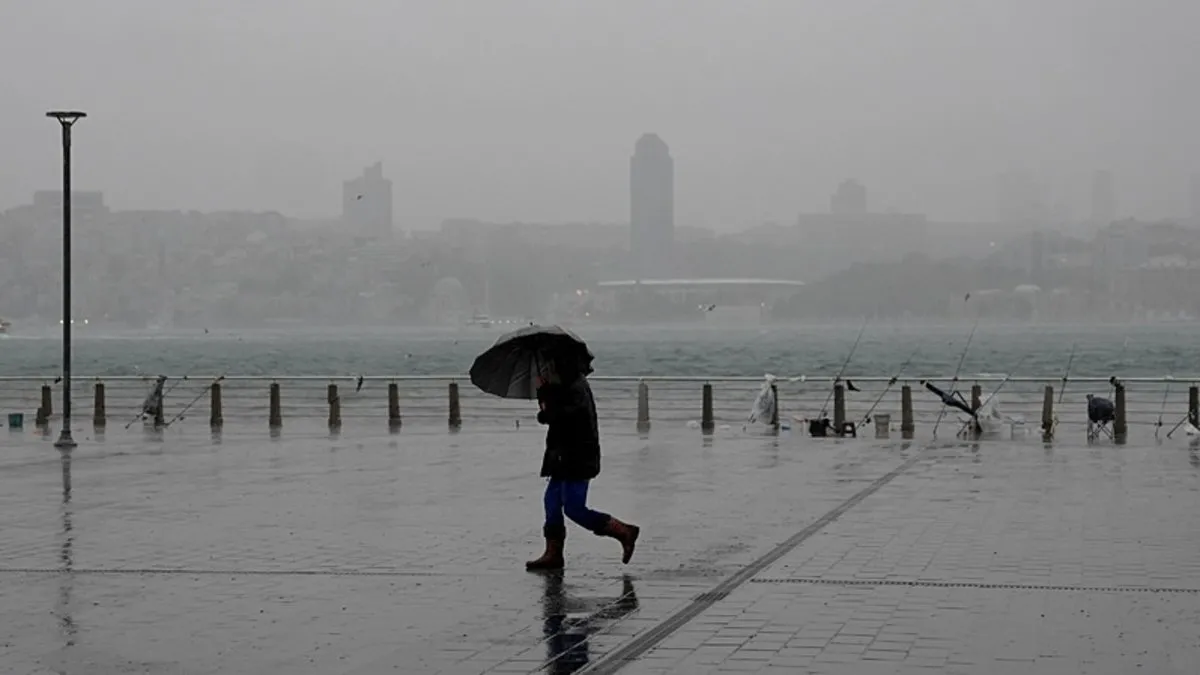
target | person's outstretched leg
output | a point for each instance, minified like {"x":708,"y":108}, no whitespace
{"x":574,"y":496}
{"x":554,"y":530}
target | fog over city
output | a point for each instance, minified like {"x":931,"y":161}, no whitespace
{"x":470,"y":161}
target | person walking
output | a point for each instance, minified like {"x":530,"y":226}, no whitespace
{"x":571,"y":461}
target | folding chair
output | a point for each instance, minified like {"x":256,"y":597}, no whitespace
{"x":1101,"y":412}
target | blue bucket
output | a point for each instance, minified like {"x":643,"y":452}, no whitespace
{"x":16,"y":420}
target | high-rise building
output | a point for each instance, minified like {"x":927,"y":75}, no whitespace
{"x":367,"y":202}
{"x":1104,"y":199}
{"x":850,"y":199}
{"x":651,"y":208}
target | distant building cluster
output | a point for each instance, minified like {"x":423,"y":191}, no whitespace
{"x":186,"y":268}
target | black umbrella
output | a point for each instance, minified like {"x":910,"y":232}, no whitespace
{"x":509,"y":369}
{"x":949,"y":399}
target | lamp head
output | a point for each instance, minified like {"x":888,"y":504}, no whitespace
{"x":67,"y":117}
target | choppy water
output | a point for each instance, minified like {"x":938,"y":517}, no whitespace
{"x":1128,"y":351}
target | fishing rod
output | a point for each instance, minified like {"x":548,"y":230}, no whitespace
{"x":142,"y":414}
{"x":1187,"y":417}
{"x":891,"y":383}
{"x":1113,"y":381}
{"x":954,"y":380}
{"x":1163,"y":407}
{"x":1063,"y":390}
{"x":179,"y":415}
{"x":158,"y":392}
{"x":1007,"y":378}
{"x":842,"y":371}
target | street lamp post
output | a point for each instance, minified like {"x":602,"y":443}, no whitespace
{"x":66,"y":119}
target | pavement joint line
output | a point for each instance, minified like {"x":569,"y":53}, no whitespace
{"x":1070,"y":588}
{"x":647,"y":640}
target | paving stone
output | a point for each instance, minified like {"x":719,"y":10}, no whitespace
{"x":1002,"y":558}
{"x":374,"y":552}
{"x":381,"y":553}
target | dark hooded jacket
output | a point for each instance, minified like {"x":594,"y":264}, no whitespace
{"x":573,"y":434}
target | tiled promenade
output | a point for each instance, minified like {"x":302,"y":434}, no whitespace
{"x":403,"y":554}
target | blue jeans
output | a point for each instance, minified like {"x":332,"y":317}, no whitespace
{"x":569,"y":498}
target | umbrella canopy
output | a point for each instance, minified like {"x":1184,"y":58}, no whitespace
{"x":509,"y":369}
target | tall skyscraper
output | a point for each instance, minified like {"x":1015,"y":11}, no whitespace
{"x":367,"y":202}
{"x":651,"y":208}
{"x":1104,"y":199}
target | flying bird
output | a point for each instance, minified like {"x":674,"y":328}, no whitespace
{"x":850,"y":386}
{"x":358,"y":386}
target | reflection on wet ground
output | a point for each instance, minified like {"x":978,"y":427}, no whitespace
{"x":570,"y":621}
{"x":185,"y":552}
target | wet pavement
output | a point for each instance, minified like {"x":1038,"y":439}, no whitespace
{"x":181,"y":553}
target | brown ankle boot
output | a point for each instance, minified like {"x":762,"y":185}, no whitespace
{"x":624,"y":533}
{"x":552,"y":559}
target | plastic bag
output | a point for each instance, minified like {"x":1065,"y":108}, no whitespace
{"x":763,"y":411}
{"x":992,"y":420}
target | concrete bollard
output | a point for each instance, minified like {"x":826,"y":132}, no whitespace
{"x":643,"y":406}
{"x":1120,"y":426}
{"x":1194,"y":405}
{"x":335,"y":406}
{"x":976,"y":397}
{"x":455,"y":416}
{"x":393,"y":405}
{"x":839,"y":406}
{"x":707,"y":423}
{"x":275,"y":413}
{"x":216,"y":418}
{"x":99,"y":411}
{"x":1048,"y":411}
{"x":906,"y":411}
{"x":46,"y":409}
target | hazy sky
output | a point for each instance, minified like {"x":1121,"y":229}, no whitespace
{"x":528,"y":109}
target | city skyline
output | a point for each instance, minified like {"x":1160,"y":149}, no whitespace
{"x":525,"y":113}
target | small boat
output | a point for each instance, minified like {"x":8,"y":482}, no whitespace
{"x":4,"y":326}
{"x":481,"y":320}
